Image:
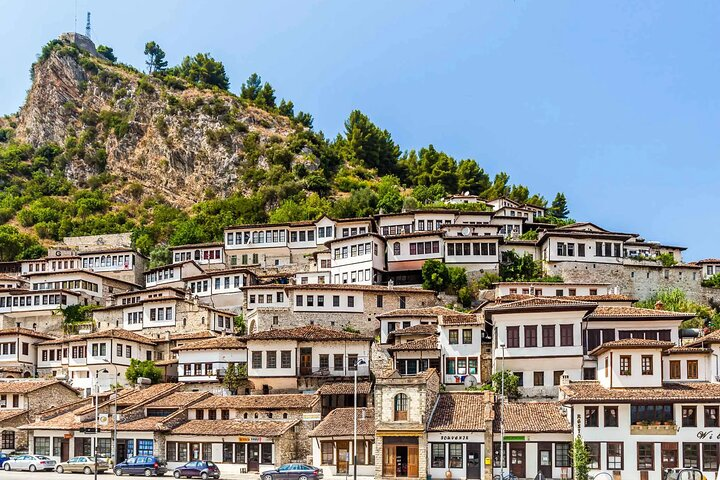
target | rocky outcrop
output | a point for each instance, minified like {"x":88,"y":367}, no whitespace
{"x":175,"y":140}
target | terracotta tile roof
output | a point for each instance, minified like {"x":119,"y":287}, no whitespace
{"x":24,"y":331}
{"x":8,"y":414}
{"x":611,"y":297}
{"x":685,"y":349}
{"x":543,"y":303}
{"x":632,"y":343}
{"x":166,"y":362}
{"x":532,"y":417}
{"x":192,"y":335}
{"x":196,"y":245}
{"x":217,"y":343}
{"x":708,"y":260}
{"x":177,"y":400}
{"x":710,"y":338}
{"x":134,"y":397}
{"x":416,"y":312}
{"x":460,"y":319}
{"x":267,"y":402}
{"x":118,"y":333}
{"x":462,"y":411}
{"x":343,"y":286}
{"x":592,"y":391}
{"x":27,"y":386}
{"x":264,"y":428}
{"x":307,"y":333}
{"x":340,"y":422}
{"x":147,"y":424}
{"x":344,"y":388}
{"x":604,"y":311}
{"x":420,"y":329}
{"x":65,"y":421}
{"x":427,"y":343}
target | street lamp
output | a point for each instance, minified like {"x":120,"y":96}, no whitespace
{"x":360,"y":362}
{"x":97,"y":417}
{"x":502,"y":408}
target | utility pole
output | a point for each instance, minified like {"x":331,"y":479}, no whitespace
{"x":87,"y":26}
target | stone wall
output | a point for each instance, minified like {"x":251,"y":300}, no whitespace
{"x":44,"y":323}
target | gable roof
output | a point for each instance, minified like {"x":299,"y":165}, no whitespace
{"x":177,"y":399}
{"x":710,"y":338}
{"x":226,"y":342}
{"x":618,"y":312}
{"x":340,"y":422}
{"x":462,"y":411}
{"x":416,"y":312}
{"x":344,"y":388}
{"x":592,"y":391}
{"x":419,"y":329}
{"x":306,"y":333}
{"x":28,"y":386}
{"x":532,"y":417}
{"x":265,"y":402}
{"x":631,"y":343}
{"x":427,"y":343}
{"x":260,"y":428}
{"x":25,"y":331}
{"x":540,"y":304}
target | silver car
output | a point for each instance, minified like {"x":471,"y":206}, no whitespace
{"x":32,"y":463}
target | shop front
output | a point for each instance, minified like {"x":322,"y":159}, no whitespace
{"x":401,"y":457}
{"x":459,"y":454}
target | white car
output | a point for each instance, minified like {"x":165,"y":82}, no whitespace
{"x":32,"y":463}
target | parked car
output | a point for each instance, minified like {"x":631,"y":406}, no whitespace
{"x":29,"y":462}
{"x":84,"y":465}
{"x":142,"y":465}
{"x":4,"y":457}
{"x":683,"y":474}
{"x":293,"y":471}
{"x":200,"y":468}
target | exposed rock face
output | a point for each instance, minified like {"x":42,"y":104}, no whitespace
{"x":182,"y":143}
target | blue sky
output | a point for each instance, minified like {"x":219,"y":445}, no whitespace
{"x":615,"y":103}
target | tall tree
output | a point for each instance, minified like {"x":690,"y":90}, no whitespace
{"x":155,"y":57}
{"x":363,"y":142}
{"x":203,"y":70}
{"x":559,"y":208}
{"x":471,"y":178}
{"x":251,"y":88}
{"x":286,"y":108}
{"x":266,"y":96}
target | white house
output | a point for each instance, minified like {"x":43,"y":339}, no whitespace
{"x":206,"y":361}
{"x":18,"y":351}
{"x":460,"y":341}
{"x":357,"y":259}
{"x":201,"y":253}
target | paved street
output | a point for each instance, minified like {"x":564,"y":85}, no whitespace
{"x":107,"y":475}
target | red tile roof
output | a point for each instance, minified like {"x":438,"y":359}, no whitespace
{"x":344,"y":388}
{"x":532,"y":417}
{"x":263,"y":402}
{"x":24,"y":331}
{"x":462,"y":411}
{"x":541,"y":303}
{"x":427,"y":343}
{"x":306,"y":333}
{"x":217,"y":343}
{"x":27,"y":386}
{"x":592,"y":391}
{"x":264,"y":428}
{"x":632,"y":343}
{"x":339,"y":422}
{"x":416,"y":312}
{"x":604,"y":311}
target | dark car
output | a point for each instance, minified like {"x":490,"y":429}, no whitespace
{"x":293,"y":471}
{"x":141,"y":465}
{"x":199,"y":468}
{"x":4,"y":457}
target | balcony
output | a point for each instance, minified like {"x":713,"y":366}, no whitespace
{"x":666,"y":429}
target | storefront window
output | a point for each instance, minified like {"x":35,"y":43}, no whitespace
{"x":182,"y":455}
{"x":42,"y":446}
{"x":437,"y":453}
{"x":207,"y":451}
{"x":194,"y":451}
{"x":171,"y":451}
{"x":239,"y":453}
{"x":562,"y":454}
{"x":690,"y":455}
{"x":145,"y":447}
{"x":593,"y":454}
{"x":266,"y":455}
{"x":615,"y":456}
{"x":104,"y":447}
{"x":361,"y":452}
{"x":57,"y":445}
{"x":456,"y":455}
{"x":710,"y":456}
{"x":496,"y":456}
{"x":645,"y":459}
{"x":327,"y":453}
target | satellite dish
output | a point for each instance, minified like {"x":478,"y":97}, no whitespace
{"x":465,"y":231}
{"x":470,"y":381}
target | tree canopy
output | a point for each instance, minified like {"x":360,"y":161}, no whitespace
{"x":203,"y":70}
{"x":155,"y":58}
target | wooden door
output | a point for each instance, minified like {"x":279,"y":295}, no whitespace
{"x":64,"y":450}
{"x":388,"y":460}
{"x":517,"y":459}
{"x":305,"y":361}
{"x":343,"y":456}
{"x":545,"y":459}
{"x":669,"y":455}
{"x":413,"y":461}
{"x":253,"y":460}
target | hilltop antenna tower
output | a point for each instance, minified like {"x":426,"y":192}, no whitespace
{"x":87,"y":26}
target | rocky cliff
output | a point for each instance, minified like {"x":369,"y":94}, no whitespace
{"x":170,"y":137}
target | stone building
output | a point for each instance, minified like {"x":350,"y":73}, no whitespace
{"x":403,"y":408}
{"x":332,"y":442}
{"x":20,"y":403}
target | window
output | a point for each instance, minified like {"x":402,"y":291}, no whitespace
{"x":591,"y":416}
{"x":675,"y":373}
{"x":401,"y":407}
{"x":611,"y":416}
{"x":539,"y":379}
{"x":403,"y":301}
{"x":650,"y":414}
{"x":496,"y":455}
{"x":285,"y":361}
{"x":614,"y":456}
{"x":513,"y":337}
{"x":42,"y":446}
{"x":379,"y":301}
{"x":7,"y":442}
{"x":530,"y":335}
{"x":467,"y":336}
{"x":710,"y":456}
{"x":456,"y":455}
{"x":711,"y":417}
{"x":692,"y":369}
{"x":324,"y":361}
{"x":645,"y":457}
{"x":271,"y":359}
{"x":453,"y":337}
{"x":562,"y":454}
{"x":557,"y":376}
{"x":566,"y":336}
{"x":338,"y":361}
{"x":548,"y":335}
{"x":689,"y":416}
{"x":669,"y":455}
{"x":145,"y":447}
{"x":396,"y":248}
{"x":625,"y":365}
{"x":646,"y":364}
{"x":593,"y":453}
{"x":691,"y":455}
{"x":437,"y":455}
{"x":256,"y":359}
{"x":327,"y":454}
{"x":351,"y":301}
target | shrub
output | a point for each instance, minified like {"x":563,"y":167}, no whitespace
{"x":435,"y":275}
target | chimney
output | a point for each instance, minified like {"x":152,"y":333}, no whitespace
{"x":564,"y":380}
{"x":659,"y":305}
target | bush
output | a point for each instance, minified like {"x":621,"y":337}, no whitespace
{"x":465,"y":296}
{"x":145,"y":369}
{"x":458,"y":278}
{"x":435,"y":275}
{"x":487,"y":281}
{"x":712,"y":282}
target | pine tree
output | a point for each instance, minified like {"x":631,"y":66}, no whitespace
{"x":266,"y":96}
{"x":156,"y":58}
{"x":251,"y":88}
{"x":286,"y":108}
{"x":471,"y":178}
{"x":559,"y":208}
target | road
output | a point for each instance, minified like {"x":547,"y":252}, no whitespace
{"x":108,"y":475}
